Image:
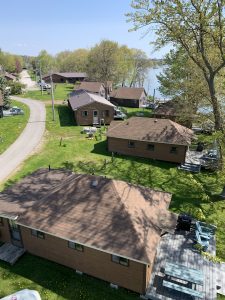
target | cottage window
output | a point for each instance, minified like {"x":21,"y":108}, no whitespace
{"x":84,"y":113}
{"x":38,"y":234}
{"x":76,"y":246}
{"x":173,"y":150}
{"x":120,"y":260}
{"x":131,"y":144}
{"x":1,"y":221}
{"x":151,"y":147}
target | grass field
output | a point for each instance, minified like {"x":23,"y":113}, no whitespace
{"x":55,"y":282}
{"x":60,"y":93}
{"x":11,"y":127}
{"x":65,"y":146}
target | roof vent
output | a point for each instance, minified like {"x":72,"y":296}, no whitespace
{"x":94,"y":183}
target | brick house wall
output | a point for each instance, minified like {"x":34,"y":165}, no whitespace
{"x":92,"y":262}
{"x":160,"y":152}
{"x":82,"y":119}
{"x":4,"y":231}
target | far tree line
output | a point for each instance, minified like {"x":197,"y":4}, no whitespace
{"x":106,"y":61}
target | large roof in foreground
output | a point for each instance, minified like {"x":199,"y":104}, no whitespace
{"x":110,"y":215}
{"x":151,"y":130}
{"x":80,"y":98}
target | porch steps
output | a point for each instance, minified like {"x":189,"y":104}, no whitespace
{"x":189,"y":167}
{"x":10,"y":253}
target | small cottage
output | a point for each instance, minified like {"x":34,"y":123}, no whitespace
{"x":106,"y":228}
{"x":90,"y":109}
{"x":160,"y":139}
{"x":128,"y":97}
{"x":65,"y":77}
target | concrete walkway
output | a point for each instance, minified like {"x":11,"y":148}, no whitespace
{"x":26,"y":143}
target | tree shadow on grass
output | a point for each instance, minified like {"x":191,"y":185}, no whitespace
{"x":66,"y":117}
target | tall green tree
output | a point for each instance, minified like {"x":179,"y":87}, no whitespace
{"x":140,"y":66}
{"x":197,"y":26}
{"x":5,"y":91}
{"x":72,"y":61}
{"x":103,"y":61}
{"x":45,"y":62}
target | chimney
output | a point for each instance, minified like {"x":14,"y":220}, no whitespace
{"x":94,"y":183}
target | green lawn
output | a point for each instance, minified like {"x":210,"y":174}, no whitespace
{"x":220,"y":297}
{"x":55,"y":282}
{"x":11,"y":127}
{"x":193,"y":193}
{"x":60,"y":93}
{"x":132,"y":111}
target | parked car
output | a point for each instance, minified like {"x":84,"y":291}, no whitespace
{"x":44,"y":85}
{"x":23,"y":295}
{"x":13,"y":111}
{"x":149,"y":105}
{"x":119,"y":115}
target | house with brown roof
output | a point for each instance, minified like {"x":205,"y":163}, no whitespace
{"x":176,"y":111}
{"x":128,"y":96}
{"x":90,"y":109}
{"x":106,"y":228}
{"x":9,"y":77}
{"x":1,"y":105}
{"x":97,"y":88}
{"x":70,"y":77}
{"x":160,"y":139}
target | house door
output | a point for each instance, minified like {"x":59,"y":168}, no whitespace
{"x":95,"y":117}
{"x":15,"y":234}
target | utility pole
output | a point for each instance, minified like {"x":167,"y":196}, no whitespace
{"x":40,"y":78}
{"x":153,"y":98}
{"x":52,"y":94}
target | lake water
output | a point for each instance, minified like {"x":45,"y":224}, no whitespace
{"x":152,"y":83}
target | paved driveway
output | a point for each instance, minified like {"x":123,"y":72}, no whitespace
{"x":25,"y":79}
{"x":26,"y":143}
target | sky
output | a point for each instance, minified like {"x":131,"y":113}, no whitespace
{"x":28,"y":26}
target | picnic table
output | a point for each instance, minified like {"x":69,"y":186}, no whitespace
{"x":184,"y":273}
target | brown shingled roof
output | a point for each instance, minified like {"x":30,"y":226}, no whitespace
{"x":114,"y":216}
{"x":10,"y":76}
{"x":68,"y":75}
{"x":80,"y":98}
{"x":151,"y":130}
{"x":169,"y":108}
{"x":93,"y":87}
{"x":127,"y":93}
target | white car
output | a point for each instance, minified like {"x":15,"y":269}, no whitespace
{"x":119,"y":115}
{"x":13,"y":112}
{"x":23,"y":295}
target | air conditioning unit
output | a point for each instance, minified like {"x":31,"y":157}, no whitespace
{"x":114,"y":286}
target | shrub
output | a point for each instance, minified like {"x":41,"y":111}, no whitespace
{"x":16,"y":87}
